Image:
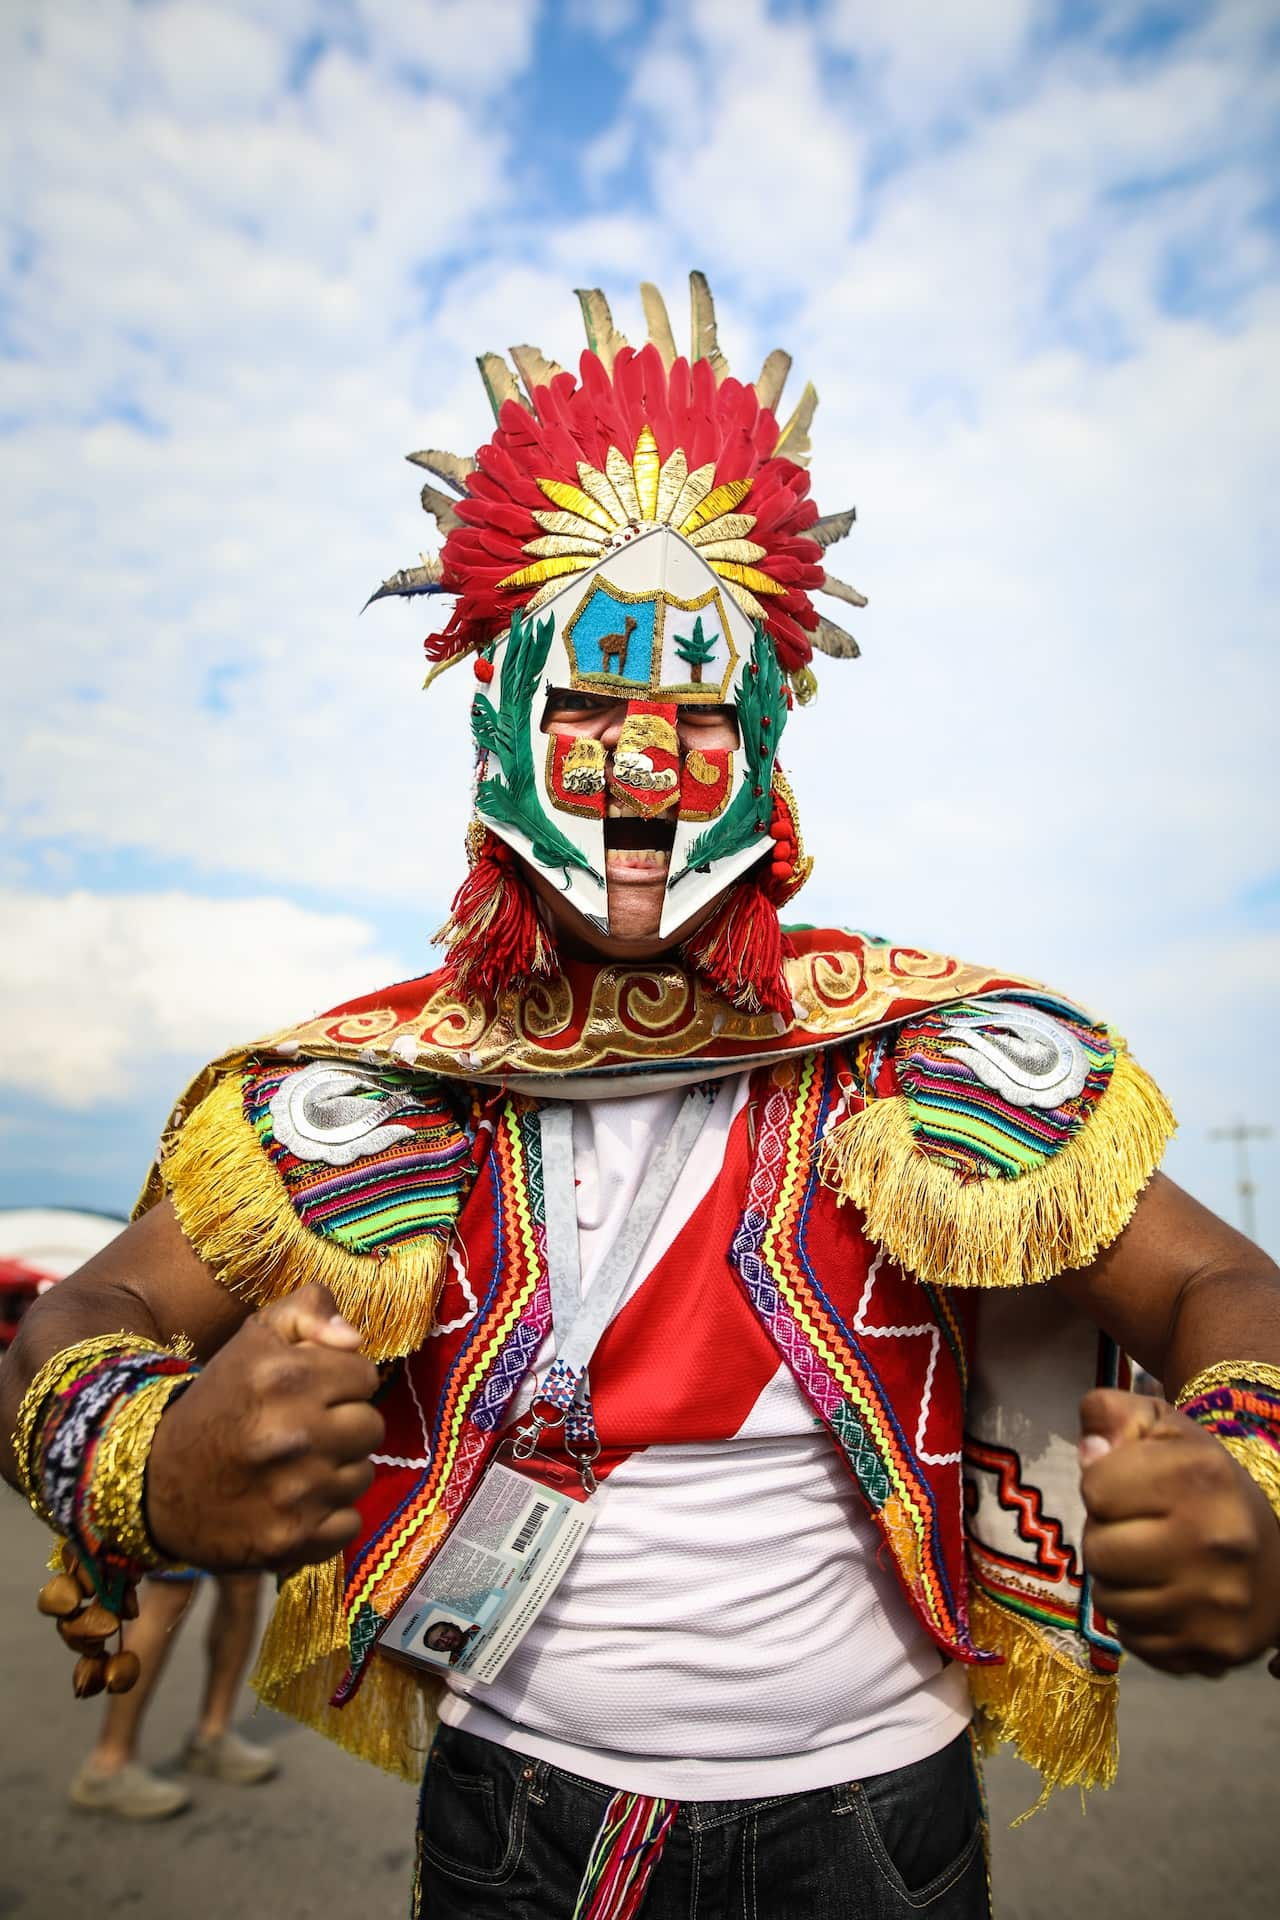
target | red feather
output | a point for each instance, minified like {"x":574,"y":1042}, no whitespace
{"x":723,"y":426}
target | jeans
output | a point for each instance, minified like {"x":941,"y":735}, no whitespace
{"x":500,"y":1834}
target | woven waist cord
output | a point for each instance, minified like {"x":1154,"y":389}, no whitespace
{"x":623,"y":1855}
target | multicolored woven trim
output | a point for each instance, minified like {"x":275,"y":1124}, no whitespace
{"x":1239,"y":1402}
{"x":624,"y":1855}
{"x":772,"y":1254}
{"x":513,"y":1315}
{"x":414,"y":1163}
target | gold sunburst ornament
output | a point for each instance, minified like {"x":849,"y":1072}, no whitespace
{"x":606,"y":510}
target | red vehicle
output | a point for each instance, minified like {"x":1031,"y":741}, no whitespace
{"x":38,"y":1246}
{"x":19,"y":1285}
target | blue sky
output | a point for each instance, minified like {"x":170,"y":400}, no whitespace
{"x":1030,"y":255}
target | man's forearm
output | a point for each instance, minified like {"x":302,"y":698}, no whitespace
{"x":1223,"y":1314}
{"x":1180,"y":1289}
{"x":148,"y":1281}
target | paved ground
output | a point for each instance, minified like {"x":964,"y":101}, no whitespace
{"x":1193,"y":1826}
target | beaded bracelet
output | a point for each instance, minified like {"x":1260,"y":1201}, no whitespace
{"x":58,"y":1373}
{"x":1239,"y":1402}
{"x":83,"y":1437}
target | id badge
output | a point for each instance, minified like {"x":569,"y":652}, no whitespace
{"x":508,"y":1551}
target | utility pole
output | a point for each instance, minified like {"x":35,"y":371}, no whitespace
{"x":1241,"y":1135}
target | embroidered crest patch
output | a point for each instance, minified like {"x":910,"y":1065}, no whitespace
{"x":994,"y":1088}
{"x":368,"y":1159}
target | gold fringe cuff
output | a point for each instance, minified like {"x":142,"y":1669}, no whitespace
{"x":1226,"y":1373}
{"x":303,"y":1658}
{"x":1001,"y":1233}
{"x":117,"y":1480}
{"x":233,"y":1208}
{"x":1260,"y":1461}
{"x":1059,"y":1718}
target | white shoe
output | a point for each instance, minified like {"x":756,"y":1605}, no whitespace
{"x":229,"y":1758}
{"x":132,"y":1792}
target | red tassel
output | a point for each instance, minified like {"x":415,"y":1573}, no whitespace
{"x":494,"y":934}
{"x":740,"y":949}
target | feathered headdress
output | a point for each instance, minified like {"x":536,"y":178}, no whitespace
{"x":639,"y":439}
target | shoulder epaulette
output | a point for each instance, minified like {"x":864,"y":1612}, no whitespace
{"x":283,"y":1172}
{"x":997,"y":1142}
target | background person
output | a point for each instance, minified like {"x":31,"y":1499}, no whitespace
{"x":112,"y":1778}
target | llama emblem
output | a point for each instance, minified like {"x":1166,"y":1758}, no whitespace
{"x":613,"y":646}
{"x":650,"y":645}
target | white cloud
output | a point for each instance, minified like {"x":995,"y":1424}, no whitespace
{"x":754,"y":168}
{"x":475,"y":44}
{"x":98,"y":988}
{"x":928,"y":60}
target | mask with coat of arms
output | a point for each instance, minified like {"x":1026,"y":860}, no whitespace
{"x":639,"y":538}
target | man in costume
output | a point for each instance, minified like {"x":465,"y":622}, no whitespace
{"x":779,"y":1269}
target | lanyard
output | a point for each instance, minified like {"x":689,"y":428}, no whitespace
{"x":578,"y":1322}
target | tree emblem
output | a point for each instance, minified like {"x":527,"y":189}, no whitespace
{"x":696,"y":649}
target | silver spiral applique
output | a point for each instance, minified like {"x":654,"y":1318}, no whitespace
{"x":1027,"y":1056}
{"x":324,"y":1112}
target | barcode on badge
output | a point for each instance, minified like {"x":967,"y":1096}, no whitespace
{"x":525,"y":1536}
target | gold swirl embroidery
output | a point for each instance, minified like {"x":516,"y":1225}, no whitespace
{"x":657,"y":1012}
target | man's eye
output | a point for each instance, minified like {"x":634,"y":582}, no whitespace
{"x":575,"y":703}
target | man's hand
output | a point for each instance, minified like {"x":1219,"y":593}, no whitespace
{"x":260,"y":1461}
{"x":1183,"y":1546}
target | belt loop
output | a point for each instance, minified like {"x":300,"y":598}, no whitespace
{"x":844,"y":1795}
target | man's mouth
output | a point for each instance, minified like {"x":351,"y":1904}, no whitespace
{"x":635,"y":848}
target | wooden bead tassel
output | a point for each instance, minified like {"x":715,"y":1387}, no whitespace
{"x":90,"y":1676}
{"x":85,"y":1625}
{"x":60,"y":1597}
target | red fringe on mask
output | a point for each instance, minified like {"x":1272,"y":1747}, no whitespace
{"x":494,"y":934}
{"x":741,"y":948}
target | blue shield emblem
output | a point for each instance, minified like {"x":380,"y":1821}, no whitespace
{"x":612,"y":637}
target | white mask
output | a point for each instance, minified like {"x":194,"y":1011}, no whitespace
{"x":650,"y":625}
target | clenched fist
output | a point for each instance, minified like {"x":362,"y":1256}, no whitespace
{"x":260,"y":1461}
{"x":1183,"y":1546}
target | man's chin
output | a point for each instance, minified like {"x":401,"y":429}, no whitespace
{"x":635,"y":903}
{"x":635,"y":915}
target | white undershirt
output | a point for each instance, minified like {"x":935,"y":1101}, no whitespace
{"x":727,"y":1629}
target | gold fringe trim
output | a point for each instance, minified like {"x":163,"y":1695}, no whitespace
{"x":307,"y":1623}
{"x":1001,"y":1233}
{"x":303,"y":1658}
{"x":1059,"y":1718}
{"x":233,"y":1208}
{"x":1225,"y":1373}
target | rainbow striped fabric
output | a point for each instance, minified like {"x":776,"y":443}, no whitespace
{"x":626,"y":1850}
{"x":414,"y":1186}
{"x":974,"y":1129}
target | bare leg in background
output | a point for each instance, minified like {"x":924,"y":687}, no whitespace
{"x":230,"y":1644}
{"x":161,"y":1605}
